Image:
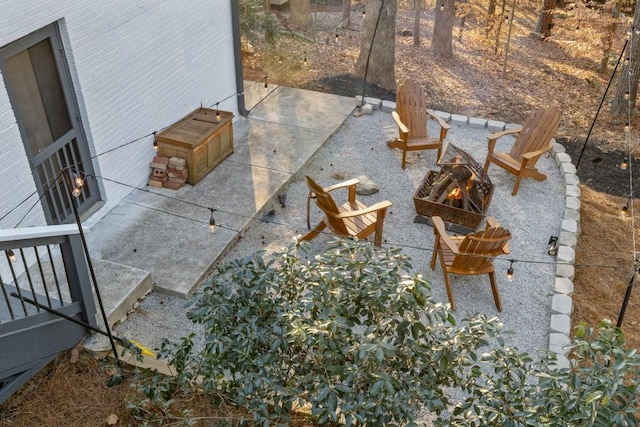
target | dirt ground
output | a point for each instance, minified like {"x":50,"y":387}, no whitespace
{"x":561,"y":70}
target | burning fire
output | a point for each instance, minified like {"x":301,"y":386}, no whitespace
{"x":456,"y":193}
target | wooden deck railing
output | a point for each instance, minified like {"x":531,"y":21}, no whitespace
{"x":43,"y":278}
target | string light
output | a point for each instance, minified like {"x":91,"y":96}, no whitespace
{"x":337,"y":37}
{"x":78,"y":182}
{"x":510,"y":270}
{"x":266,"y":83}
{"x":441,"y":7}
{"x":212,"y":221}
{"x":155,"y":142}
{"x":217,"y":113}
{"x":624,"y":164}
{"x":553,"y":246}
{"x":626,"y":94}
{"x":11,"y":256}
{"x":305,"y":61}
{"x":626,"y":127}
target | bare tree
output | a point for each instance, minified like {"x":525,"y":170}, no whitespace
{"x":612,"y":15}
{"x":377,"y":54}
{"x":346,"y":12}
{"x":624,"y":100}
{"x":442,"y":43}
{"x":416,"y":21}
{"x":545,"y":19}
{"x":300,"y":12}
{"x":491,"y":18}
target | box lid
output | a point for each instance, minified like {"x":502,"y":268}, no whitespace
{"x":195,"y":128}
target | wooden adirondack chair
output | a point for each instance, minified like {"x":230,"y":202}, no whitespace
{"x":471,"y":254}
{"x":352,"y":219}
{"x":533,"y":140}
{"x":411,"y":116}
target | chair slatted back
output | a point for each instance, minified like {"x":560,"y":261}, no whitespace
{"x":477,"y":250}
{"x":411,"y":104}
{"x":326,"y":203}
{"x":536,"y":132}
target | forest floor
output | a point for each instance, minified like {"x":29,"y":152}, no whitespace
{"x":561,"y":70}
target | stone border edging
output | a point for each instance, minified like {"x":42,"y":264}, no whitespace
{"x":561,"y":301}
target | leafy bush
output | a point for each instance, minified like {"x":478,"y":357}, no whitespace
{"x":349,"y":335}
{"x":600,"y":387}
{"x":355,"y":340}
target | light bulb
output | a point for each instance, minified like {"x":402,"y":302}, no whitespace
{"x":625,"y":164}
{"x":626,"y":94}
{"x":305,"y":61}
{"x":441,"y":6}
{"x":510,"y":274}
{"x":337,"y":37}
{"x":11,"y":255}
{"x":626,"y":127}
{"x":266,"y":85}
{"x":212,"y":221}
{"x":76,"y":191}
{"x":155,"y":145}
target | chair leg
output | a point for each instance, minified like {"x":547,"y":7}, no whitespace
{"x":494,"y":289}
{"x":447,"y":285}
{"x":516,"y":186}
{"x":313,"y":233}
{"x":404,"y":158}
{"x":436,"y":248}
{"x":309,"y":196}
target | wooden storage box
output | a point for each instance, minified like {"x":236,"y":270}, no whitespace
{"x":201,"y":139}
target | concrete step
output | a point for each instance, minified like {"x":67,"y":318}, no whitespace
{"x":120,"y":288}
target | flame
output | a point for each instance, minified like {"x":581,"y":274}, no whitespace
{"x":456,"y":193}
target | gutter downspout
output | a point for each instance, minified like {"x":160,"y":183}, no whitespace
{"x":237,"y":56}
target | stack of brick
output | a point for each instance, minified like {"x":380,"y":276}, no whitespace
{"x":178,"y":173}
{"x":159,"y":171}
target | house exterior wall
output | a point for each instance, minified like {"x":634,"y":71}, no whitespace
{"x":137,"y":67}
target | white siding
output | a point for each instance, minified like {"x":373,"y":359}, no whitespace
{"x":137,"y":67}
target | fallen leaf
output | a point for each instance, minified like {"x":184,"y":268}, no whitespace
{"x":75,"y":355}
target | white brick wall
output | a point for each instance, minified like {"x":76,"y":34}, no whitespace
{"x":137,"y":67}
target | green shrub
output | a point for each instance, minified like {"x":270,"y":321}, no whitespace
{"x":348,"y":334}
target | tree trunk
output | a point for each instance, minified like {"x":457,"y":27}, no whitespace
{"x":609,"y":35}
{"x":628,"y":80}
{"x":300,"y":13}
{"x":416,"y":22}
{"x":346,"y":12}
{"x":545,"y":19}
{"x":442,"y":43}
{"x":491,"y":18}
{"x":267,"y":5}
{"x":380,"y":54}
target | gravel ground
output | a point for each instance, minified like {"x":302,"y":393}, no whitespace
{"x":358,"y":148}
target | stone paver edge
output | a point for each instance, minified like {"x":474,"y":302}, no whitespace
{"x":561,"y":301}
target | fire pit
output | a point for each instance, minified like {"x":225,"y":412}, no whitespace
{"x":460,"y":192}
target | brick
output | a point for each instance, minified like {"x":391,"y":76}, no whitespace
{"x":159,"y":166}
{"x":177,"y":161}
{"x":388,"y":106}
{"x":159,"y":173}
{"x":154,"y":183}
{"x":173,"y":185}
{"x":161,"y":159}
{"x":177,"y":179}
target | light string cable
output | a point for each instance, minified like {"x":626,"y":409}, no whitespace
{"x":295,"y":228}
{"x":630,"y":64}
{"x":630,"y":67}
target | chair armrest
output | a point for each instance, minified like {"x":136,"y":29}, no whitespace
{"x":440,"y":120}
{"x":500,"y":134}
{"x":441,"y":232}
{"x":343,"y":184}
{"x":373,"y":208}
{"x":396,"y":117}
{"x":537,"y":153}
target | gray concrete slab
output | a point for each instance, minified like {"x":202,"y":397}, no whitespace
{"x":165,"y":233}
